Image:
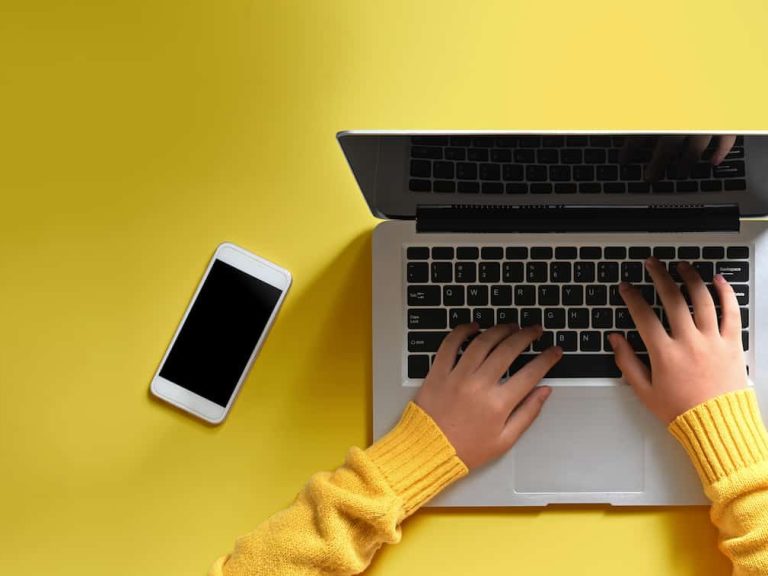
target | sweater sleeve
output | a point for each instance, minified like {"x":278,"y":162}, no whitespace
{"x":727,"y":442}
{"x":340,"y":519}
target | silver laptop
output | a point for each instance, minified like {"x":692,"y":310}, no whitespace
{"x":540,"y":228}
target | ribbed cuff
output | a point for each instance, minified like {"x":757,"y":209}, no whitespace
{"x":416,"y":458}
{"x":723,"y":435}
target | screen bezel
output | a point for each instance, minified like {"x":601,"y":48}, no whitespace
{"x":254,"y":266}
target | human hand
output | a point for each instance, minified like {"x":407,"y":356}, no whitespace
{"x":697,"y":360}
{"x":481,"y":416}
{"x":679,"y":150}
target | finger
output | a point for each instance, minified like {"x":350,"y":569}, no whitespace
{"x":445,"y":359}
{"x":672,"y":299}
{"x":522,"y":418}
{"x":631,"y":145}
{"x":724,"y":145}
{"x":648,"y":324}
{"x":730,"y":323}
{"x":704,"y":314}
{"x":505,"y":353}
{"x":526,"y":379}
{"x":480,"y":347}
{"x":695,"y":147}
{"x":666,"y":150}
{"x":632,"y":369}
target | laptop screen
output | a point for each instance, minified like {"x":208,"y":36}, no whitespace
{"x":400,"y":171}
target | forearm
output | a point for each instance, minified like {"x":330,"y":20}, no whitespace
{"x":728,"y":444}
{"x":341,"y":518}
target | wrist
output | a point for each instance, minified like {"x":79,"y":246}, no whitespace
{"x":416,"y":458}
{"x":723,"y":435}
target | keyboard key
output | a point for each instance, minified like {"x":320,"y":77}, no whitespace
{"x":584,"y":272}
{"x":607,"y":271}
{"x":614,"y":187}
{"x":535,"y":173}
{"x":444,"y":186}
{"x":442,"y":253}
{"x":575,"y":366}
{"x":467,"y":253}
{"x":492,"y":188}
{"x":525,"y":295}
{"x":513,"y":172}
{"x":713,"y":252}
{"x":664,"y":252}
{"x":640,"y":252}
{"x":529,"y":141}
{"x":742,"y":293}
{"x":602,"y":318}
{"x":549,"y":295}
{"x":570,"y":156}
{"x":421,"y":168}
{"x":468,"y":187}
{"x":567,"y":340}
{"x":430,"y":140}
{"x":744,"y":317}
{"x":687,"y":186}
{"x":597,"y":295}
{"x":560,"y":173}
{"x":560,"y":272}
{"x":607,"y":343}
{"x":477,"y":295}
{"x":536,"y":271}
{"x":516,"y":253}
{"x":530,"y":317}
{"x":594,"y":156}
{"x":636,"y":341}
{"x":417,"y":253}
{"x":492,"y":253}
{"x":688,"y":252}
{"x":483,"y":316}
{"x":455,"y":154}
{"x":729,"y":169}
{"x":631,"y":172}
{"x":490,"y":172}
{"x":614,"y":297}
{"x":513,"y":272}
{"x":443,"y":170}
{"x":501,"y":295}
{"x":546,"y":340}
{"x":525,"y":156}
{"x":734,"y":271}
{"x":565,"y":253}
{"x":735,"y":185}
{"x":705,"y":270}
{"x":418,"y":365}
{"x":578,"y":318}
{"x":615,"y":252}
{"x":419,"y":185}
{"x":577,"y":140}
{"x":589,"y":341}
{"x":632,"y":271}
{"x":501,"y":156}
{"x":554,"y":318}
{"x":663,"y":187}
{"x":453,"y":295}
{"x":553,"y":141}
{"x":745,"y":340}
{"x":490,"y":272}
{"x":423,"y":295}
{"x":711,"y":185}
{"x":738,"y":252}
{"x":442,"y":272}
{"x":506,"y":316}
{"x":427,"y":318}
{"x":477,"y":155}
{"x":638,"y":187}
{"x":590,"y":188}
{"x":623,"y":319}
{"x":541,"y":188}
{"x":465,"y":272}
{"x":573,"y":295}
{"x":607,"y":172}
{"x":590,"y":253}
{"x":429,"y":152}
{"x":466,"y":171}
{"x":548,"y":156}
{"x":583,"y":173}
{"x":457,"y":316}
{"x":425,"y":341}
{"x":566,"y":188}
{"x":418,"y":272}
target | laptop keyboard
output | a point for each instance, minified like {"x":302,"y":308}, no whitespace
{"x":559,"y":164}
{"x":571,"y":291}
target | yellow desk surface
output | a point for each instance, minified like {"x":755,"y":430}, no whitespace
{"x":137,"y":135}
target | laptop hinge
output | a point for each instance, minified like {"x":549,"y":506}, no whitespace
{"x":577,"y":218}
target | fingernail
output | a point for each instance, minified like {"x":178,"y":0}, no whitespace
{"x":683,"y":264}
{"x":545,"y":392}
{"x":558,"y":351}
{"x":624,"y":286}
{"x":612,"y":339}
{"x":650,"y":261}
{"x":720,"y":279}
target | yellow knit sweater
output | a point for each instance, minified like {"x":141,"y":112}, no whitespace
{"x":341,"y":518}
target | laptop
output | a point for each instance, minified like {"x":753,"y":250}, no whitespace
{"x":540,"y":227}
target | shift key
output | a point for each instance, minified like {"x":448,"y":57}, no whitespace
{"x":734,"y":271}
{"x":425,"y":341}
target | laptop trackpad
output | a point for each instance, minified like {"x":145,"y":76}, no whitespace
{"x":582,"y":445}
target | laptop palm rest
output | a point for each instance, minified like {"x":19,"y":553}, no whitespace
{"x":585,"y":440}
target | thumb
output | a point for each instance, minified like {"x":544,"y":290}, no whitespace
{"x":632,"y":369}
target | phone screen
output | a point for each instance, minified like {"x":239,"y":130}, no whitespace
{"x":220,"y":333}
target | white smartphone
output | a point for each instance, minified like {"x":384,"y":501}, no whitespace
{"x":221,"y":333}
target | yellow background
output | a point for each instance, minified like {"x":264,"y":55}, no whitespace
{"x":135,"y":136}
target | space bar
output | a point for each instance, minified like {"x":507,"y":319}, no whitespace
{"x":575,"y":366}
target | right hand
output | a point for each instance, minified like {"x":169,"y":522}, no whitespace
{"x":680,"y":151}
{"x":481,"y":416}
{"x":697,"y":360}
